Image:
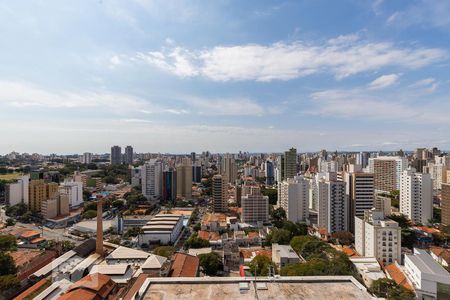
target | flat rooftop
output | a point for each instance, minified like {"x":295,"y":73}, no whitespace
{"x":305,"y":287}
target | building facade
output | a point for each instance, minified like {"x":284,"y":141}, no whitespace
{"x":416,"y":196}
{"x":152,"y":179}
{"x":116,"y":155}
{"x":293,"y":197}
{"x":255,"y":207}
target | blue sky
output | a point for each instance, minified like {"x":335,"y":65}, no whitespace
{"x":181,"y":76}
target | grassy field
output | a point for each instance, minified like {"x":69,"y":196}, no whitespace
{"x":9,"y":176}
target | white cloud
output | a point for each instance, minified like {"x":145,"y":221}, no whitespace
{"x":225,"y":106}
{"x":342,"y":56}
{"x":384,"y":81}
{"x":423,"y":13}
{"x":359,"y":104}
{"x":429,"y":85}
{"x":136,"y":121}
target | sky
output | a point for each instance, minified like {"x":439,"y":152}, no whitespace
{"x":260,"y":76}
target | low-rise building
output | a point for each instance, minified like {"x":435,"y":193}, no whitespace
{"x":430,"y":280}
{"x":184,"y":265}
{"x":162,"y":228}
{"x":283,"y":255}
{"x":441,"y":255}
{"x":368,"y":268}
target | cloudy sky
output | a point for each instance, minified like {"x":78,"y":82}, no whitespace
{"x":181,"y":76}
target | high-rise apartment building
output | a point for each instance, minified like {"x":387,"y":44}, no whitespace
{"x":18,"y":192}
{"x":170,"y":185}
{"x":332,"y":204}
{"x":40,"y":191}
{"x":196,"y":174}
{"x":445,"y":204}
{"x":360,"y":192}
{"x":387,"y":171}
{"x":376,"y":236}
{"x":229,"y":169}
{"x":74,"y":192}
{"x":57,"y":205}
{"x":255,"y":207}
{"x":86,"y":158}
{"x":416,"y":196}
{"x":128,"y":156}
{"x":151,"y":174}
{"x":290,"y":163}
{"x":293,"y":197}
{"x":269,"y":172}
{"x":438,"y":174}
{"x":219,"y":194}
{"x":184,"y":179}
{"x":116,"y":155}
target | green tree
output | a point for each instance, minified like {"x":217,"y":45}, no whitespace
{"x":9,"y":282}
{"x":7,"y":242}
{"x":134,"y":231}
{"x":389,"y":289}
{"x":408,"y":238}
{"x":90,"y":214}
{"x":314,"y":267}
{"x":166,"y":251}
{"x":402,"y":220}
{"x":278,"y":214}
{"x":8,"y":267}
{"x":10,"y":222}
{"x":119,"y":204}
{"x":211,"y":263}
{"x":344,"y":237}
{"x":195,"y":242}
{"x":298,"y":242}
{"x":197,"y":227}
{"x":260,"y":265}
{"x":278,"y":236}
{"x":272,"y":194}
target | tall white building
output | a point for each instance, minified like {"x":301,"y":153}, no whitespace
{"x":438,"y":173}
{"x":376,"y":236}
{"x":229,"y":169}
{"x":255,"y":206}
{"x":151,"y":174}
{"x":332,"y":203}
{"x":293,"y":197}
{"x":18,"y":192}
{"x":416,"y":196}
{"x":328,"y":166}
{"x":74,"y":190}
{"x":86,"y":158}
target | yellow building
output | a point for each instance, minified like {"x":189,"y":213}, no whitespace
{"x":40,"y":191}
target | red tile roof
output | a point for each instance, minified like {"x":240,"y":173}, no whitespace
{"x":184,"y":265}
{"x":92,"y":286}
{"x":32,"y":289}
{"x":397,"y":275}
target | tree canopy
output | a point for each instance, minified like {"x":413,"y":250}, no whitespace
{"x":195,"y":242}
{"x":389,"y":289}
{"x":166,"y":251}
{"x":211,"y":263}
{"x":260,"y":265}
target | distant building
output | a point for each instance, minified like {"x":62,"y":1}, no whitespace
{"x":293,"y":197}
{"x":151,"y":173}
{"x":416,"y":196}
{"x":445,"y":203}
{"x":387,"y":171}
{"x":255,"y":207}
{"x":332,"y":207}
{"x":57,"y":205}
{"x":169,"y":185}
{"x":229,"y":169}
{"x":86,"y":158}
{"x":39,"y":192}
{"x":383,"y":204}
{"x":360,"y":192}
{"x":128,"y":156}
{"x":196,"y":174}
{"x":18,"y":192}
{"x":219,"y":194}
{"x":74,"y":191}
{"x":184,"y":179}
{"x":290,"y":163}
{"x":116,"y":155}
{"x":162,"y":228}
{"x":376,"y":236}
{"x":270,"y":175}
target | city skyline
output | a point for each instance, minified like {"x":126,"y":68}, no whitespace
{"x":224,"y":76}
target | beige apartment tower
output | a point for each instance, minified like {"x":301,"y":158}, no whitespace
{"x":57,"y":205}
{"x":39,"y":192}
{"x":445,"y":203}
{"x":184,"y":179}
{"x":255,"y":206}
{"x":219,"y":194}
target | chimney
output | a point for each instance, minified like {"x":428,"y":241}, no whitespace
{"x":99,"y":241}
